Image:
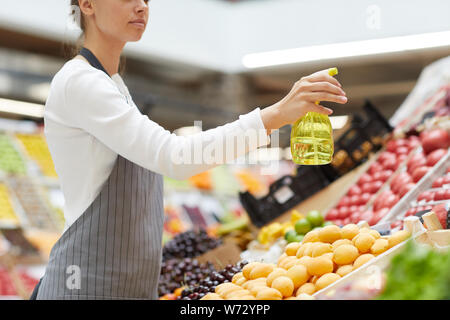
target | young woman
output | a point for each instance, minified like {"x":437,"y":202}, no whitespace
{"x":110,"y":160}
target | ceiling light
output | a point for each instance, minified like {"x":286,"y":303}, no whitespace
{"x":22,"y":108}
{"x":347,"y":49}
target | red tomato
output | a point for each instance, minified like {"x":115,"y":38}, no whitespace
{"x":365,"y":178}
{"x":440,"y":195}
{"x":390,"y":164}
{"x":390,"y":201}
{"x":426,"y":195}
{"x":386,"y":155}
{"x":332,"y":214}
{"x":439,"y":182}
{"x":364,"y":198}
{"x":380,"y":200}
{"x":399,"y":180}
{"x":446,"y":179}
{"x":419,"y":173}
{"x":447,"y":194}
{"x":354,"y":217}
{"x":383,"y":175}
{"x":435,"y":156}
{"x":375,"y":186}
{"x":406,"y":188}
{"x":361,"y":208}
{"x":345,"y":201}
{"x":415,"y":161}
{"x":375,"y":167}
{"x":402,"y":150}
{"x":346,"y":221}
{"x":366,"y":216}
{"x":354,"y":190}
{"x":410,"y":212}
{"x":391,"y":146}
{"x":344,"y":212}
{"x":435,"y":139}
{"x":401,"y":158}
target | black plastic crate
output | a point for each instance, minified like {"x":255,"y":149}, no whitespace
{"x":284,"y":194}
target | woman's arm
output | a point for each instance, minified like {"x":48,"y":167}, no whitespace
{"x":95,"y":105}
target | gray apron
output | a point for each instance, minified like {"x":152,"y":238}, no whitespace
{"x":114,"y":249}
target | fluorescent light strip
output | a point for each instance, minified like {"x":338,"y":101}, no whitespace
{"x":22,"y":108}
{"x":347,"y":49}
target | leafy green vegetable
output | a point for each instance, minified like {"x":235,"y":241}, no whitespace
{"x":418,"y":273}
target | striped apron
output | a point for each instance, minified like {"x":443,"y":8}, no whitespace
{"x":114,"y":249}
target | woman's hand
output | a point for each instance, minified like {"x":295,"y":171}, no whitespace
{"x":319,"y":86}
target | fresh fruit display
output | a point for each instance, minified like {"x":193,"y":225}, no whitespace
{"x":37,"y":149}
{"x":418,"y":273}
{"x":38,"y":212}
{"x":176,"y":273}
{"x":189,"y":244}
{"x":364,"y":201}
{"x":7,"y":213}
{"x":202,"y":180}
{"x":313,"y":220}
{"x":210,"y":283}
{"x":324,"y":256}
{"x":10,"y":159}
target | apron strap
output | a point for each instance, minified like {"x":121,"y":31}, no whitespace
{"x":92,"y":59}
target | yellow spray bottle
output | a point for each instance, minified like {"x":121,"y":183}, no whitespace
{"x":312,"y":137}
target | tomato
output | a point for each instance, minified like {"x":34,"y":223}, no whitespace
{"x":391,"y":146}
{"x":390,"y":201}
{"x":343,"y":213}
{"x":447,"y":194}
{"x":426,"y":195}
{"x":365,"y":178}
{"x":364,"y":198}
{"x":416,"y":160}
{"x":406,"y":188}
{"x":377,"y":216}
{"x":346,"y":221}
{"x":380,"y":200}
{"x":354,"y":217}
{"x":446,"y":179}
{"x":345,"y":201}
{"x":419,"y":173}
{"x":439,"y":182}
{"x":366,"y":216}
{"x":402,"y":150}
{"x":401,"y":158}
{"x":386,"y":155}
{"x":440,"y":195}
{"x":410,"y":212}
{"x":435,"y":139}
{"x":383,"y":175}
{"x":375,"y":167}
{"x":354,"y":190}
{"x":332,"y":214}
{"x":353,"y":208}
{"x":400,"y":180}
{"x":390,"y":164}
{"x":435,"y":156}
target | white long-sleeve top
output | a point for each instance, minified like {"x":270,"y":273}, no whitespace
{"x":90,"y":119}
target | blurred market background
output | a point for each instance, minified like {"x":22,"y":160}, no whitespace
{"x":213,"y":60}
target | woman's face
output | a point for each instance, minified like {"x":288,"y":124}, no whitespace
{"x":123,"y":20}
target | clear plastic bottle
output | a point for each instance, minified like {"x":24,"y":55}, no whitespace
{"x":312,"y":137}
